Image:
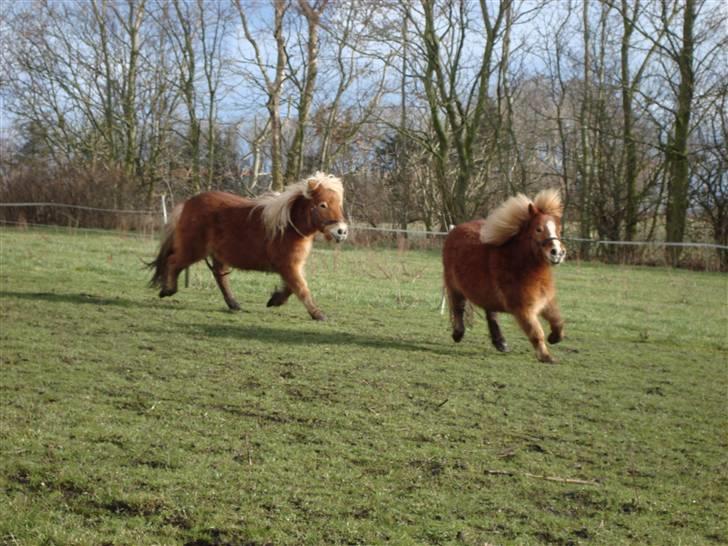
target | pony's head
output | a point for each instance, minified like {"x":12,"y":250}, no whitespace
{"x":544,"y":226}
{"x":320,"y":198}
{"x":326,"y":196}
{"x":537,"y":221}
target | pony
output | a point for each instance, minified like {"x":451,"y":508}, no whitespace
{"x":503,"y":265}
{"x":271,"y":233}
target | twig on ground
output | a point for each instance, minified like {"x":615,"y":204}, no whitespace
{"x":250,"y":451}
{"x":540,"y":477}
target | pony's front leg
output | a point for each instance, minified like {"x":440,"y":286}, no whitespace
{"x":531,"y":326}
{"x":496,"y":336}
{"x":552,"y":314}
{"x":297,"y":284}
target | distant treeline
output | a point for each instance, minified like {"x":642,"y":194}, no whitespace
{"x":432,"y":111}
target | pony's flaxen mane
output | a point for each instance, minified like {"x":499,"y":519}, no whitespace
{"x":507,"y":220}
{"x":277,"y":206}
{"x":549,"y":202}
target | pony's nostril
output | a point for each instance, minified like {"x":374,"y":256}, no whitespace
{"x":554,"y":252}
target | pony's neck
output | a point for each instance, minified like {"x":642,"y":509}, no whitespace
{"x":301,"y":217}
{"x":522,"y":255}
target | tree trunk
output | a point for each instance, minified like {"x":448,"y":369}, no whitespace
{"x":630,"y":147}
{"x":294,"y":163}
{"x":274,"y":101}
{"x":678,"y":168}
{"x":584,"y":167}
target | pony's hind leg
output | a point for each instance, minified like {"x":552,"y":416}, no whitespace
{"x":220,"y":271}
{"x":552,"y":314}
{"x":496,"y":336}
{"x":279,"y":296}
{"x":457,"y":311}
{"x":164,"y":265}
{"x":177,"y":262}
{"x":532,"y":327}
{"x":171,"y":273}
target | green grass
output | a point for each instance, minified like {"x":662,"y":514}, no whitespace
{"x":125,"y":419}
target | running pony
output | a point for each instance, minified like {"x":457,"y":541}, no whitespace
{"x":272,"y":233}
{"x":503,"y":264}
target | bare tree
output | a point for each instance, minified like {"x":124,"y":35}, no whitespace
{"x":213,"y":20}
{"x":305,"y":84}
{"x":678,"y":167}
{"x":710,"y":160}
{"x":272,"y":84}
{"x":342,"y":113}
{"x":630,"y":82}
{"x":455,"y":113}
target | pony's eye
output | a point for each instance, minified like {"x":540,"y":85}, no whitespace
{"x":539,"y":229}
{"x":323,"y":205}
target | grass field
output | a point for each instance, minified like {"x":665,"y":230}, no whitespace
{"x":125,"y":419}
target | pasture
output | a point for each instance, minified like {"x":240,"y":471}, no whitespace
{"x":126,"y":419}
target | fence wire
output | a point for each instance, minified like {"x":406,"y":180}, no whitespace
{"x":79,"y":207}
{"x":417,"y":232}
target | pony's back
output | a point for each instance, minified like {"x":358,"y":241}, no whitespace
{"x":202,"y":205}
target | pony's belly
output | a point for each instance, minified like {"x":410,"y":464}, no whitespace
{"x":243,"y":258}
{"x":251,"y":265}
{"x":485,"y":294}
{"x":491,"y":304}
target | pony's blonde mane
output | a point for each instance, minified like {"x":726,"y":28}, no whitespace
{"x":507,"y":220}
{"x":549,"y":202}
{"x":277,"y":206}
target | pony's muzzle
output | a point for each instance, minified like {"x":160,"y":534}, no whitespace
{"x":557,"y":254}
{"x":338,"y":231}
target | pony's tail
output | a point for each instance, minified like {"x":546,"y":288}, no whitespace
{"x":447,"y":304}
{"x":159,"y":264}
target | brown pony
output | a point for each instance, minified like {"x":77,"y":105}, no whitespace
{"x":503,"y":264}
{"x":271,"y":233}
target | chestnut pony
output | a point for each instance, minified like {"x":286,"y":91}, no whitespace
{"x":272,"y":233}
{"x":503,"y":264}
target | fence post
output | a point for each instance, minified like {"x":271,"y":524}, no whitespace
{"x":164,"y":208}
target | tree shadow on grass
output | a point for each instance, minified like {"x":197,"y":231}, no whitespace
{"x":81,"y":297}
{"x":284,"y":335}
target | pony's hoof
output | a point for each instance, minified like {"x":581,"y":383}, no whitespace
{"x":457,"y":335}
{"x":555,"y":337}
{"x":164,"y":292}
{"x":501,"y":346}
{"x":276,"y":299}
{"x":233,"y":306}
{"x":547,"y":359}
{"x":318,"y":315}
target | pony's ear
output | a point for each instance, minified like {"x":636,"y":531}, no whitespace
{"x":531,"y":210}
{"x":312,"y":184}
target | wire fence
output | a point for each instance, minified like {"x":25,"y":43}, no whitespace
{"x":76,"y":216}
{"x":693,"y":255}
{"x":423,"y":232}
{"x":147,"y":223}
